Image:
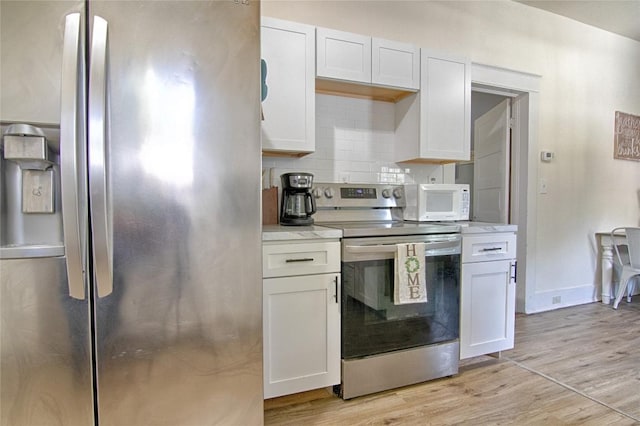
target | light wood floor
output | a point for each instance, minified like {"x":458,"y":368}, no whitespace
{"x":578,"y":365}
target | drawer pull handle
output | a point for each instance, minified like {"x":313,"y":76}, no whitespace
{"x":303,"y":259}
{"x":492,"y":249}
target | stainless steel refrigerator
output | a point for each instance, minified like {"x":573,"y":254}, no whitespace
{"x":130,"y":233}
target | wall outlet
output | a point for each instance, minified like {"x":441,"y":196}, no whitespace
{"x":556,"y":299}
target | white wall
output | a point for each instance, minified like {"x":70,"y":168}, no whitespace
{"x":587,"y":75}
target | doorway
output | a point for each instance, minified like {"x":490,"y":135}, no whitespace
{"x":491,"y":86}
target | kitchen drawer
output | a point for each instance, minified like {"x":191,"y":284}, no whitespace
{"x":488,"y":247}
{"x":281,"y":260}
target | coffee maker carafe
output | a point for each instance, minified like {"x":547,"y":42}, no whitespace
{"x":297,"y":204}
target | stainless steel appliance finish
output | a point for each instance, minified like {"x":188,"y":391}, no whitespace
{"x":171,"y":288}
{"x":385,"y":345}
{"x":399,"y":368}
{"x":369,"y":210}
{"x":414,"y":342}
{"x":359,"y":229}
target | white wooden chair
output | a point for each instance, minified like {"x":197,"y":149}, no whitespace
{"x":629,"y":269}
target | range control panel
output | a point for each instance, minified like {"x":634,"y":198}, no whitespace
{"x":339,"y":195}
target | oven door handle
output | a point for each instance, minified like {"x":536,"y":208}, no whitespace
{"x":391,"y":248}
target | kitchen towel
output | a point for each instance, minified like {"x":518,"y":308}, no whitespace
{"x":409,"y":280}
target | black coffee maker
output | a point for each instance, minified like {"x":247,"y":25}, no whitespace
{"x":297,"y":204}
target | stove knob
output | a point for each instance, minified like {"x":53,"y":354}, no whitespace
{"x":317,"y":192}
{"x":329,"y":192}
{"x":386,"y":193}
{"x":397,"y":193}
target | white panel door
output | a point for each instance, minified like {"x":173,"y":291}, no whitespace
{"x":491,"y":175}
{"x":487,"y":307}
{"x":301,"y":326}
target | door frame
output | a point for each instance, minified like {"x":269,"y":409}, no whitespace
{"x":523,"y":88}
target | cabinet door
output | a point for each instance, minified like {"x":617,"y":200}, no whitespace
{"x":343,"y":56}
{"x":487,"y":308}
{"x":395,"y":64}
{"x":301,"y":326}
{"x":288,"y":49}
{"x":434,"y":125}
{"x":445,"y":130}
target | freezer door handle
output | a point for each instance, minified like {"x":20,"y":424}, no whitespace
{"x":73,"y":156}
{"x":99,"y":187}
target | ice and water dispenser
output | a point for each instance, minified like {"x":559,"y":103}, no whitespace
{"x":30,"y":194}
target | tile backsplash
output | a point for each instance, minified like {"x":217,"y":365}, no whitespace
{"x":354,"y":144}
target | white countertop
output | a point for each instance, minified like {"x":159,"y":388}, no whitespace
{"x":281,"y":233}
{"x":484,"y":227}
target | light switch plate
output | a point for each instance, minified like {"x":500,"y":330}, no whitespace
{"x":542,"y":186}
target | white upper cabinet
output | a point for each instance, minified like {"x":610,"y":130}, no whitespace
{"x":439,"y":115}
{"x":288,"y":48}
{"x":361,"y":59}
{"x":343,"y":56}
{"x":395,"y":64}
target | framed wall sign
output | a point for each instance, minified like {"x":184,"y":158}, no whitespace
{"x":626,"y":137}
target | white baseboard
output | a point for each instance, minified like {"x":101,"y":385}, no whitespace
{"x":563,"y":297}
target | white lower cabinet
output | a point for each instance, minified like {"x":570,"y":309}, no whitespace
{"x":487,"y":300}
{"x":301,"y":330}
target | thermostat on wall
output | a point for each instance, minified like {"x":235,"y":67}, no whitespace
{"x":546,"y":156}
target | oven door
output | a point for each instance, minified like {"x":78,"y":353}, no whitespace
{"x":371,"y":322}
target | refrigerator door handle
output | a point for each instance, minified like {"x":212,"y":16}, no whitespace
{"x":98,"y":159}
{"x":73,"y":156}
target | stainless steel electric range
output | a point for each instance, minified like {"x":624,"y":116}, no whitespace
{"x":387,"y":345}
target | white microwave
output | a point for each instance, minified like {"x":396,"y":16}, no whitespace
{"x":436,"y":202}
